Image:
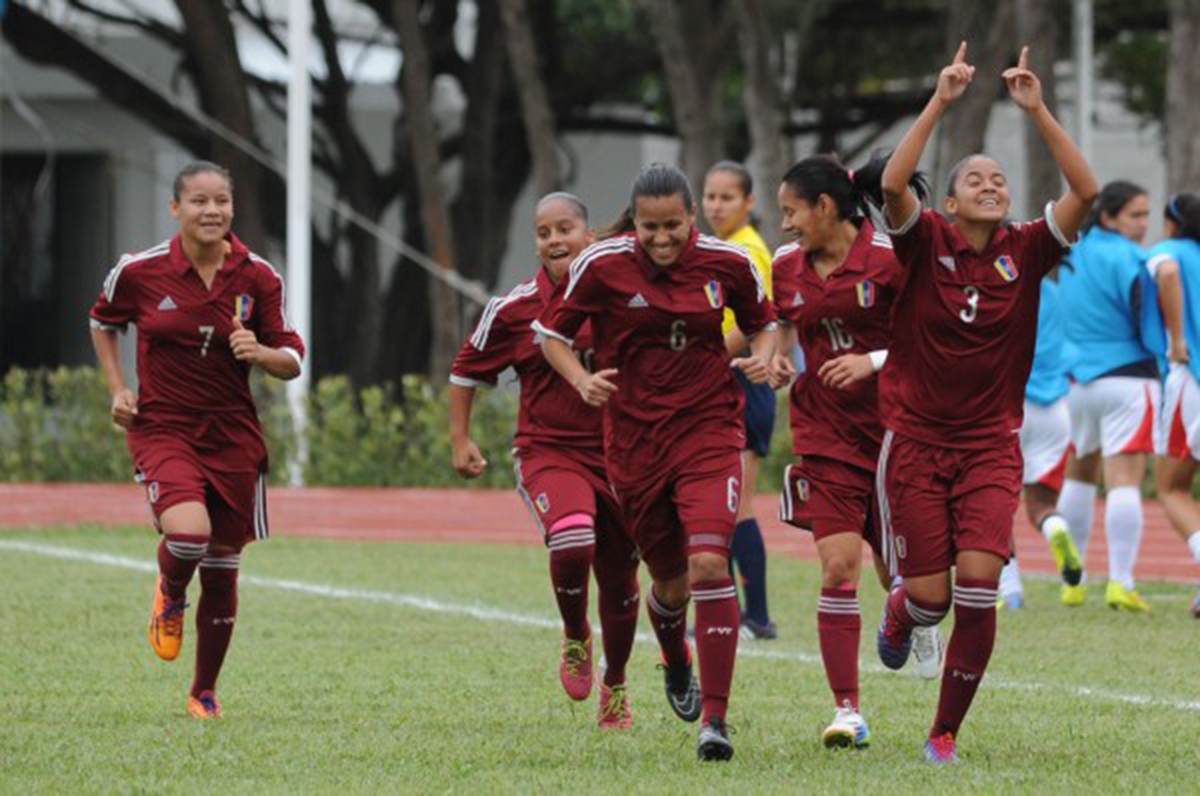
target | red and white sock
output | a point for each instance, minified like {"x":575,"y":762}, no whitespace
{"x":839,"y":626}
{"x":968,"y":652}
{"x":178,"y":556}
{"x":670,"y":627}
{"x":717,"y":621}
{"x":215,"y":618}
{"x":619,"y":598}
{"x":572,"y":543}
{"x":905,"y":613}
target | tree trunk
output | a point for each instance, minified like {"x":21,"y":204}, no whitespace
{"x":1183,"y":91}
{"x":989,"y":30}
{"x":536,"y":112}
{"x":224,"y":95}
{"x":693,"y":100}
{"x":768,"y":159}
{"x":417,"y":76}
{"x":1038,"y":28}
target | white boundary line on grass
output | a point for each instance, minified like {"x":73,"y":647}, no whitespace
{"x":488,"y":614}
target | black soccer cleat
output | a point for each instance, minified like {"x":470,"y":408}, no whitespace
{"x":683,"y":692}
{"x":713,"y":743}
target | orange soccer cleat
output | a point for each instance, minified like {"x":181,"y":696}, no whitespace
{"x":205,"y":706}
{"x":166,"y":624}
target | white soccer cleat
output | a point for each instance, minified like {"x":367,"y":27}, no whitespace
{"x":927,"y":649}
{"x":848,"y":730}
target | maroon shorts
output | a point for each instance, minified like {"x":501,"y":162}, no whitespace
{"x":689,"y":506}
{"x":556,"y":483}
{"x":938,"y":501}
{"x":173,"y":472}
{"x":828,"y":496}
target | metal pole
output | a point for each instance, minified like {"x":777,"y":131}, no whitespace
{"x":299,"y":195}
{"x":1085,"y":65}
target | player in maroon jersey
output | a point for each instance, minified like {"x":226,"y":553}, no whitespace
{"x":673,"y":425}
{"x":835,"y":285}
{"x":963,"y":335}
{"x":559,"y":462}
{"x":207,"y":310}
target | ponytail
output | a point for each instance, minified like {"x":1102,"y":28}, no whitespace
{"x":623,"y":225}
{"x":1184,"y":210}
{"x":855,"y":193}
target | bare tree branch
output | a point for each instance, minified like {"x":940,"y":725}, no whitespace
{"x":531,"y":89}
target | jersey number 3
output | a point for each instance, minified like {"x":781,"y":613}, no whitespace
{"x":969,"y":314}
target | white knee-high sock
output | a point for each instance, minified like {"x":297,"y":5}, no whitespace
{"x":1123,"y":527}
{"x":1077,"y":504}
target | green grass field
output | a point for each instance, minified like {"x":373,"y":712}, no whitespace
{"x":389,"y":667}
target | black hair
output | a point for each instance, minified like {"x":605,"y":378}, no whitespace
{"x":853,"y":192}
{"x":957,"y":168}
{"x":1112,"y":200}
{"x":194,"y":168}
{"x":746,"y":182}
{"x":562,"y":196}
{"x":659,"y":179}
{"x":1184,"y":210}
{"x":623,"y":225}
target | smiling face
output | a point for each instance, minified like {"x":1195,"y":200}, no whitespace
{"x":980,"y":192}
{"x":561,"y":234}
{"x":204,"y":208}
{"x":810,"y":225}
{"x":1132,"y":220}
{"x":663,"y":225}
{"x":726,"y":206}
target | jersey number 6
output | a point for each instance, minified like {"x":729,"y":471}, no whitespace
{"x":678,"y":334}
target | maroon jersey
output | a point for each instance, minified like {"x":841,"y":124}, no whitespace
{"x":188,"y":377}
{"x":847,"y":313}
{"x":551,"y":410}
{"x":661,"y":328}
{"x":964,"y":329}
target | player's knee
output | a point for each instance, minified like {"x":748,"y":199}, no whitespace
{"x":839,"y":572}
{"x":707,"y":566}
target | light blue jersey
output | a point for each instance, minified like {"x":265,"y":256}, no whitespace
{"x":1104,"y":328}
{"x":1048,"y":380}
{"x":1186,"y":252}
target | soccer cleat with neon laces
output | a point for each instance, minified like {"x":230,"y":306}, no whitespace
{"x":575,"y":668}
{"x":205,"y":706}
{"x":893,"y":646}
{"x":683,"y":692}
{"x":1073,"y":596}
{"x":1119,"y":598}
{"x":939,"y":750}
{"x":615,"y":713}
{"x":927,"y":650}
{"x":166,"y":624}
{"x":713,"y":743}
{"x":1066,"y":556}
{"x":848,"y":730}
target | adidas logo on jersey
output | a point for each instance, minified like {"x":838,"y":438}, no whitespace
{"x":797,"y":299}
{"x":947,"y":262}
{"x":167,"y":304}
{"x":638,"y":301}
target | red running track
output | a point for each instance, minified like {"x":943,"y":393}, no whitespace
{"x":498,"y":516}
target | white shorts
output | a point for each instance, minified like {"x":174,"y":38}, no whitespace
{"x":1114,"y":414}
{"x":1045,"y":443}
{"x":1179,"y":422}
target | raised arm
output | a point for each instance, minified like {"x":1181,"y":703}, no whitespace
{"x":1082,"y":187}
{"x":899,"y":200}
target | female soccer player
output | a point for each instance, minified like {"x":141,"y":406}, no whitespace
{"x":1106,"y":296}
{"x":728,"y":201}
{"x":673,"y":420}
{"x":207,"y":310}
{"x":559,"y":462}
{"x":1045,"y":443}
{"x":837,"y":283}
{"x":1175,"y":264}
{"x":963,"y":335}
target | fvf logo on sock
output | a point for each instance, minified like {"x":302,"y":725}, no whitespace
{"x":569,"y":592}
{"x":224,"y":620}
{"x":720,"y":631}
{"x":969,"y":677}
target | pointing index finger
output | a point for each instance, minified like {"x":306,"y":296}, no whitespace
{"x":1023,"y":60}
{"x":960,"y":57}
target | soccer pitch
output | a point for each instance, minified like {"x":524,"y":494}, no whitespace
{"x":409,"y":667}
